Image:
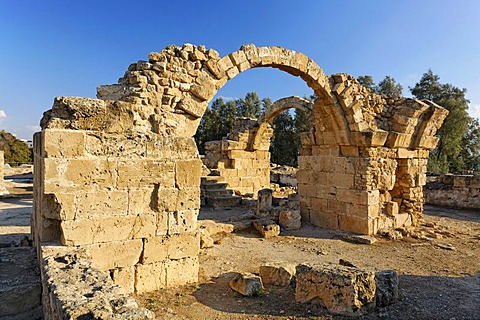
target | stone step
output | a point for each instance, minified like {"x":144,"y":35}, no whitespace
{"x":218,"y":192}
{"x":223,"y":201}
{"x":206,"y":179}
{"x":214,"y":185}
{"x":20,"y":287}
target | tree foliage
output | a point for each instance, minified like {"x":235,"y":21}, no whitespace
{"x":388,"y":86}
{"x":15,"y":151}
{"x":454,"y":133}
{"x":219,"y":117}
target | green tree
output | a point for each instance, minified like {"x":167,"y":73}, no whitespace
{"x":445,"y":157}
{"x":389,"y":87}
{"x":470,"y":154}
{"x":250,"y":106}
{"x":367,"y":82}
{"x":283,"y":149}
{"x":216,"y":122}
{"x":15,"y":151}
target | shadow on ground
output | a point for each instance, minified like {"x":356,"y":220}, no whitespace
{"x":422,"y":297}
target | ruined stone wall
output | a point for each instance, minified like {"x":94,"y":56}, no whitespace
{"x":73,"y":288}
{"x":129,"y":198}
{"x":246,"y":171}
{"x":456,"y":191}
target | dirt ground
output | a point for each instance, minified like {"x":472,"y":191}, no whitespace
{"x":439,"y":273}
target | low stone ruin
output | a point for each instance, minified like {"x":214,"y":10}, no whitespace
{"x":455,"y":191}
{"x":344,"y":290}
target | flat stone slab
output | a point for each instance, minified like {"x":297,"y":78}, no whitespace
{"x":359,"y":239}
{"x":267,"y":228}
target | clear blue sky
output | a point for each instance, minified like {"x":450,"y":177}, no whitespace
{"x":54,"y":48}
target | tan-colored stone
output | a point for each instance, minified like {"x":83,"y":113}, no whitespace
{"x":277,"y":274}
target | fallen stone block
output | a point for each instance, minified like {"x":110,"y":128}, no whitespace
{"x":205,"y":240}
{"x":277,"y":274}
{"x":341,"y":290}
{"x":387,"y":287}
{"x":267,"y":228}
{"x":359,"y":239}
{"x":247,"y":284}
{"x":290,"y":219}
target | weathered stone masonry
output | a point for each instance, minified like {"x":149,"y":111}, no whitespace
{"x":119,"y":176}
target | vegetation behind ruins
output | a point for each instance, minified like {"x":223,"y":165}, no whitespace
{"x":457,"y":151}
{"x":15,"y":151}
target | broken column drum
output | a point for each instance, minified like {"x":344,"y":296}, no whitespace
{"x":119,"y":176}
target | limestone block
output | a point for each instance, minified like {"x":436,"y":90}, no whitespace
{"x":59,"y":206}
{"x":63,"y":143}
{"x":101,"y":203}
{"x":391,"y":208}
{"x":87,"y":172}
{"x":150,"y":277}
{"x":104,"y":229}
{"x":115,"y":254}
{"x":187,"y":173}
{"x":139,"y":200}
{"x":342,"y":290}
{"x":247,"y":284}
{"x":277,"y":274}
{"x":139,"y":173}
{"x":215,"y":229}
{"x":363,"y":211}
{"x":402,"y":220}
{"x":182,"y":271}
{"x":170,"y":247}
{"x":336,"y":206}
{"x":356,"y":225}
{"x":182,"y":221}
{"x":267,"y":228}
{"x":321,"y":218}
{"x":125,"y":278}
{"x":290,"y":219}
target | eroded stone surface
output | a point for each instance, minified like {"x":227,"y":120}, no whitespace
{"x":278,"y":274}
{"x":247,"y":284}
{"x":342,"y":290}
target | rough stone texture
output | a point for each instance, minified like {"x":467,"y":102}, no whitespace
{"x":283,"y":175}
{"x":121,"y":171}
{"x":290,"y":219}
{"x":278,"y":274}
{"x":387,"y":287}
{"x":457,"y":191}
{"x":264,"y":202}
{"x":342,"y":290}
{"x":247,"y":284}
{"x":267,"y":228}
{"x":74,"y":289}
{"x":20,"y":294}
{"x":3,"y":190}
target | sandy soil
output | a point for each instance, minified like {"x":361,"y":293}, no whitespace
{"x":439,"y":273}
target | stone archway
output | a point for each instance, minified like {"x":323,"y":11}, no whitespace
{"x":118,"y":177}
{"x":242,"y":158}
